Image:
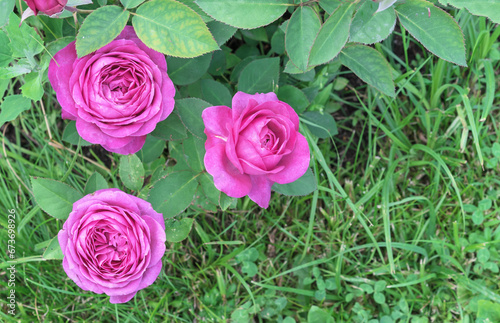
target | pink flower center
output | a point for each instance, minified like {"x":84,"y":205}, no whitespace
{"x":110,"y":247}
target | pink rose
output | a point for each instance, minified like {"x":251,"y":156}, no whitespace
{"x":113,"y":243}
{"x":48,"y":7}
{"x":117,"y":94}
{"x":253,"y":145}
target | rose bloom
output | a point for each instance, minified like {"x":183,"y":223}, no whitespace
{"x":48,"y":7}
{"x":113,"y":243}
{"x":117,"y":94}
{"x":253,"y":145}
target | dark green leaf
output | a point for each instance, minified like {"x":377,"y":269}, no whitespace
{"x":215,"y":93}
{"x":95,"y":183}
{"x":369,"y":27}
{"x":261,"y":75}
{"x":194,"y":152}
{"x":294,"y":97}
{"x":71,"y":135}
{"x":152,"y":149}
{"x":321,"y":125}
{"x":221,"y":31}
{"x":190,"y":110}
{"x":183,"y":71}
{"x":305,"y":185}
{"x":129,"y":4}
{"x":178,"y":230}
{"x":170,"y":129}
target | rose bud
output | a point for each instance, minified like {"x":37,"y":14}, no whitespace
{"x":48,"y":7}
{"x":253,"y":145}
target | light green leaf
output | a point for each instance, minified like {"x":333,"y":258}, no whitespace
{"x":20,"y":68}
{"x":486,"y":8}
{"x":190,"y":110}
{"x":317,"y":315}
{"x":5,"y":51}
{"x":131,"y":172}
{"x":173,"y":28}
{"x":53,"y":250}
{"x":300,"y":34}
{"x":33,"y":87}
{"x":95,"y":183}
{"x":178,"y":230}
{"x":54,"y":197}
{"x":100,"y":28}
{"x":246,"y":14}
{"x":24,"y":40}
{"x":370,"y":66}
{"x":12,"y":106}
{"x":129,"y":4}
{"x":329,"y":5}
{"x":369,"y":27}
{"x":434,"y":28}
{"x":332,"y":36}
{"x":261,"y":75}
{"x":6,"y":7}
{"x":173,"y":194}
{"x":384,"y":4}
{"x":305,"y":185}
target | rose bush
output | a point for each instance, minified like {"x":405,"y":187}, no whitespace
{"x":113,"y":243}
{"x":253,"y":145}
{"x":117,"y":94}
{"x":48,"y":7}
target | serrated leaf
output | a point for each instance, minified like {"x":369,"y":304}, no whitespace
{"x":178,"y":230}
{"x":194,"y":152}
{"x":12,"y":106}
{"x":54,"y":197}
{"x":24,"y":40}
{"x":208,"y":187}
{"x":100,"y":28}
{"x":329,"y":5}
{"x":173,"y":194}
{"x":300,"y":34}
{"x":384,"y":4}
{"x":261,"y":75}
{"x":332,"y":36}
{"x":305,"y":185}
{"x":71,"y":135}
{"x":131,"y":172}
{"x":129,"y":4}
{"x":321,"y":125}
{"x":173,"y":28}
{"x":170,"y":129}
{"x":246,"y":14}
{"x":33,"y":87}
{"x":221,"y":31}
{"x":53,"y":250}
{"x":370,"y":66}
{"x":184,"y":71}
{"x":94,"y":183}
{"x":434,"y":28}
{"x":226,"y":201}
{"x":486,"y":8}
{"x":152,"y":149}
{"x":369,"y":26}
{"x":294,"y":97}
{"x":190,"y":110}
{"x":215,"y":93}
{"x":18,"y":69}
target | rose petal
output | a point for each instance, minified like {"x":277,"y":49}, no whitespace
{"x":150,"y":275}
{"x":157,"y":241}
{"x":217,"y":121}
{"x":227,"y":178}
{"x":241,"y":100}
{"x":119,"y":299}
{"x":261,"y":190}
{"x":295,"y":164}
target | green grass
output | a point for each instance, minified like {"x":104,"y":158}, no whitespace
{"x":392,"y":231}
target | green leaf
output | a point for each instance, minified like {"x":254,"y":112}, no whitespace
{"x":215,"y":93}
{"x":226,"y":201}
{"x":380,"y":285}
{"x":250,"y":269}
{"x":246,"y":14}
{"x":369,"y":27}
{"x":12,"y":106}
{"x":152,"y":149}
{"x":487,"y":310}
{"x":71,"y":135}
{"x":194,"y":152}
{"x":33,"y":86}
{"x":478,"y":217}
{"x":190,"y":110}
{"x":183,"y":71}
{"x":178,"y":230}
{"x":173,"y":194}
{"x":54,"y":197}
{"x":170,"y":129}
{"x":329,"y":5}
{"x":261,"y":75}
{"x":208,"y":187}
{"x":486,"y":8}
{"x":294,"y":97}
{"x":370,"y":66}
{"x":483,"y":255}
{"x":6,"y":7}
{"x":173,"y":28}
{"x":190,"y":3}
{"x":434,"y":28}
{"x":485,"y":204}
{"x":305,"y":185}
{"x":379,"y":298}
{"x":100,"y":28}
{"x":5,"y":51}
{"x":321,"y":125}
{"x":317,"y":315}
{"x":332,"y":36}
{"x":53,"y":250}
{"x":129,"y":4}
{"x":221,"y":31}
{"x":300,"y":34}
{"x":24,"y":40}
{"x":131,"y":172}
{"x":95,"y":183}
{"x":20,"y":68}
{"x":384,"y":4}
